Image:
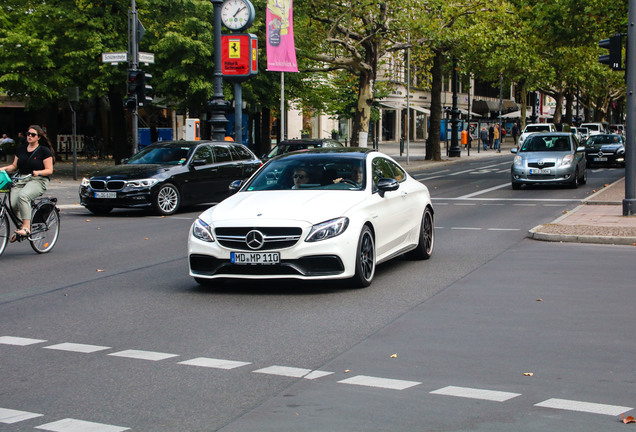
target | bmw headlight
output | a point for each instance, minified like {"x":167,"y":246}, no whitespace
{"x":202,"y":231}
{"x":567,"y":160}
{"x":141,"y":183}
{"x":328,"y":229}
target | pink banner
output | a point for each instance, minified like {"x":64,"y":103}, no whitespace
{"x":281,"y":50}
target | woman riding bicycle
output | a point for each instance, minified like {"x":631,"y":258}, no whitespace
{"x":36,"y":158}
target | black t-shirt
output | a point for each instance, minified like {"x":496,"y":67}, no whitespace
{"x":32,"y":161}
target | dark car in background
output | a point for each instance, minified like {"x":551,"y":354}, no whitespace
{"x":291,"y":145}
{"x":167,"y":175}
{"x":605,"y":149}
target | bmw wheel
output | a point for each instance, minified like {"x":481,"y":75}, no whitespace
{"x":365,"y":259}
{"x":167,"y":200}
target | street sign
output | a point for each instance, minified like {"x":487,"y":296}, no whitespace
{"x":146,"y":58}
{"x":114,"y":57}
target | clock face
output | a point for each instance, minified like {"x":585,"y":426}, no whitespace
{"x":237,"y":14}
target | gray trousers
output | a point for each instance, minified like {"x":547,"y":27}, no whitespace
{"x":24,"y":191}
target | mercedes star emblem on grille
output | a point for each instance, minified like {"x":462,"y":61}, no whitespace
{"x":254,"y":239}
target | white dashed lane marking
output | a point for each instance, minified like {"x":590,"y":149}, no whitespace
{"x":284,"y":371}
{"x":214,"y":363}
{"x":10,"y":416}
{"x":75,"y":347}
{"x":472,"y":393}
{"x":72,"y":425}
{"x":589,"y":407}
{"x":12,"y":340}
{"x":143,"y":355}
{"x":368,"y":381}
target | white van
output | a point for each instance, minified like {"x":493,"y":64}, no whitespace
{"x":595,"y":128}
{"x":535,"y":127}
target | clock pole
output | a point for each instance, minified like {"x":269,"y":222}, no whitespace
{"x":218,"y":105}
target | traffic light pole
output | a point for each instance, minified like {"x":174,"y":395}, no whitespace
{"x":629,"y":203}
{"x":134,"y":55}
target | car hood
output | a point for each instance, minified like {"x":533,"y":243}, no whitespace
{"x":131,"y":171}
{"x":307,"y":206}
{"x":606,"y":147}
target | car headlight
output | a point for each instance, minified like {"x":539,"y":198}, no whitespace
{"x":202,"y":231}
{"x":85,"y":182}
{"x":141,"y":184}
{"x":567,"y":160}
{"x":517,"y":160}
{"x":328,"y":229}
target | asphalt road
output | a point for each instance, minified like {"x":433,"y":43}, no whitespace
{"x":495,"y":333}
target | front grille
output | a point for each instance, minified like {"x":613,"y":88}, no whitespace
{"x":320,"y":265}
{"x":273,"y":238}
{"x":111,"y":185}
{"x":543,"y":165}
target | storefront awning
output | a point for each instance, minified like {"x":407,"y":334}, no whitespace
{"x":400,"y":106}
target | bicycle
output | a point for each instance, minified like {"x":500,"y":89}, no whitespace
{"x":45,"y":218}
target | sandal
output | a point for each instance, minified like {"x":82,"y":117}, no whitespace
{"x":17,"y":235}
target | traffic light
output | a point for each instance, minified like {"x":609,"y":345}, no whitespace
{"x":132,"y":89}
{"x":615,"y":46}
{"x":144,"y":89}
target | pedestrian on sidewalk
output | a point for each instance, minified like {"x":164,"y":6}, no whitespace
{"x":483,"y":136}
{"x":495,"y":136}
{"x":515,"y":134}
{"x":491,"y":136}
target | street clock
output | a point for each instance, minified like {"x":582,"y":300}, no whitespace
{"x":237,"y":15}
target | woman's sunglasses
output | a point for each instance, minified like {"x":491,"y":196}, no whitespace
{"x":31,"y":134}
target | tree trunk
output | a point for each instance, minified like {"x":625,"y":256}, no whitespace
{"x":432,"y":143}
{"x":569,"y":101}
{"x":558,"y":109}
{"x":362,"y":118}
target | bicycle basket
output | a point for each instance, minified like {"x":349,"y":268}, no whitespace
{"x":5,"y":181}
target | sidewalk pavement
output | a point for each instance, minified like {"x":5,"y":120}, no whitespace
{"x":599,"y":218}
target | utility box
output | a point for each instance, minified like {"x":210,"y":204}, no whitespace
{"x":193,"y":130}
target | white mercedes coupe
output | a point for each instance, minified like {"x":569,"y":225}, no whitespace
{"x":314,"y":215}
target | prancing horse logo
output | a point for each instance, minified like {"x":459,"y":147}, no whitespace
{"x":254,"y":239}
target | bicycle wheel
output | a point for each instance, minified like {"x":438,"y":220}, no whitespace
{"x":45,"y":228}
{"x":4,"y":232}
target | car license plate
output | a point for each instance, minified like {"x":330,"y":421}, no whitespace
{"x":258,"y":258}
{"x":105,"y":194}
{"x":539,"y":171}
{"x":600,"y":159}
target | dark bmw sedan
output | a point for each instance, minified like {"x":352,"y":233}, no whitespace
{"x":167,"y":175}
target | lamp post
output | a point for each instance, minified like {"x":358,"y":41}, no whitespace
{"x":218,"y":105}
{"x":454,"y":151}
{"x":629,"y":203}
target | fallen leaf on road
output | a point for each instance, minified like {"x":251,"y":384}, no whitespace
{"x":88,"y":220}
{"x":394,"y":356}
{"x":528,"y":374}
{"x":145,"y":238}
{"x":628,"y":419}
{"x":539,"y":299}
{"x":347,"y":371}
{"x":100,"y":270}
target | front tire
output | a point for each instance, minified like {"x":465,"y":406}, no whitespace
{"x":167,"y":200}
{"x":365,"y":259}
{"x":424,"y":249}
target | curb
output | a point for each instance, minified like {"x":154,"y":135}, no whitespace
{"x":563,"y":238}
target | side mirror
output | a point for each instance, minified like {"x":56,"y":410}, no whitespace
{"x":235,"y":186}
{"x":513,"y":150}
{"x":580,"y":149}
{"x":124,"y":161}
{"x":198,"y":162}
{"x":387,"y":184}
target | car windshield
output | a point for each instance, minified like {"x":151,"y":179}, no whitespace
{"x":316,"y":172}
{"x":593,"y":127}
{"x":546,"y":144}
{"x":537,"y":128}
{"x":161,"y":155}
{"x":597,"y":140}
